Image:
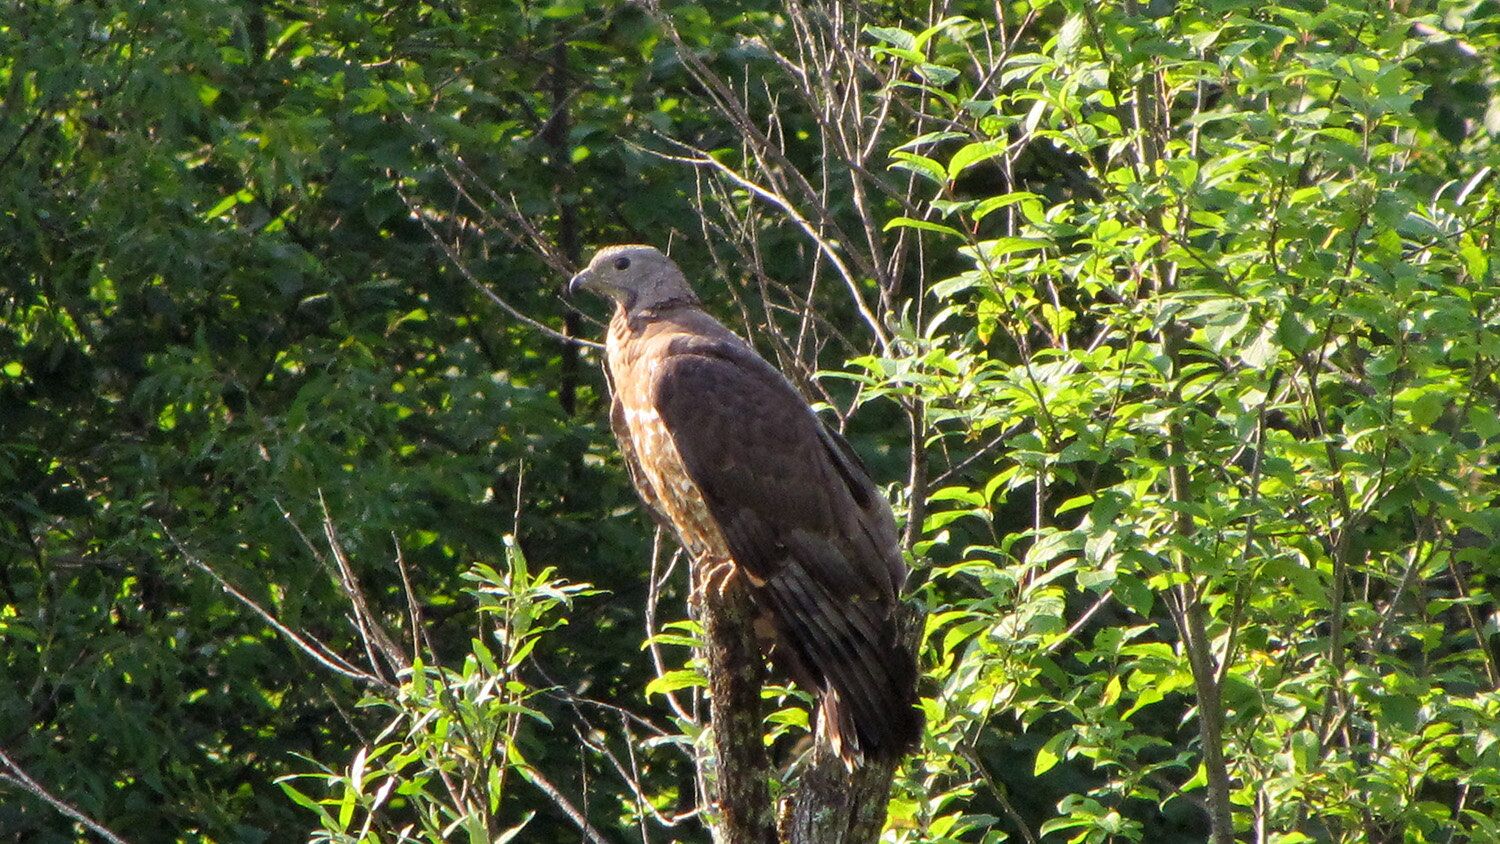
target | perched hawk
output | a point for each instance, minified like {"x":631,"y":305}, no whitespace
{"x":721,"y":445}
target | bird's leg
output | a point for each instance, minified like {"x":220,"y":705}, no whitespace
{"x":712,"y":576}
{"x":720,"y":576}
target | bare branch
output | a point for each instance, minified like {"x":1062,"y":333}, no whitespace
{"x":462,"y":266}
{"x":14,"y":773}
{"x":320,"y":653}
{"x":536,"y":778}
{"x":653,"y":594}
{"x":370,"y":629}
{"x":700,"y":158}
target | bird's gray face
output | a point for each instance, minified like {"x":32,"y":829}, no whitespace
{"x":635,"y":277}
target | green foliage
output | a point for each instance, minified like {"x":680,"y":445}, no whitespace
{"x":1243,"y":378}
{"x":218,"y":310}
{"x":438,"y":769}
{"x":1197,"y":330}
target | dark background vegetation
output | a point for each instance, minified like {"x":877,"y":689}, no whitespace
{"x":249,"y":250}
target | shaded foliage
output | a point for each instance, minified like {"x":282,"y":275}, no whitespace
{"x":1190,"y":307}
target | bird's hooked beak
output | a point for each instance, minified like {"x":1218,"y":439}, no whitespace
{"x":575,"y":284}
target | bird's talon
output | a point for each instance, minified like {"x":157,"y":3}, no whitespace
{"x":714,"y":579}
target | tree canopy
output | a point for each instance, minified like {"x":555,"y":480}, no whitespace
{"x":1171,"y":329}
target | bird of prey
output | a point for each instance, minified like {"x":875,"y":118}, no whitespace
{"x":723,"y":448}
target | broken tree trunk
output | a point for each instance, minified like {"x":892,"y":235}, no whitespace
{"x":739,"y":773}
{"x":828,"y":804}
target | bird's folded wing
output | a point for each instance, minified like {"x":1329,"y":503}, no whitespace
{"x":780,"y":488}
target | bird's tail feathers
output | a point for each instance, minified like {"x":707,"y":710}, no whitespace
{"x":859,"y":728}
{"x":836,"y":721}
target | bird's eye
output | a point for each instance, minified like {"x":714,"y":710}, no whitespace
{"x":622,"y":263}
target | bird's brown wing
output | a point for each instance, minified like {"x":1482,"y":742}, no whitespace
{"x":802,"y":518}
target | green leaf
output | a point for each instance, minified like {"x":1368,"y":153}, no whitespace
{"x":1484,"y":420}
{"x":672,"y":681}
{"x":305,"y":802}
{"x":921,"y":165}
{"x":1069,"y":37}
{"x":936,"y":74}
{"x":1049,"y":754}
{"x":1429,"y":405}
{"x":1004,"y":200}
{"x":924,"y":225}
{"x":893,"y":36}
{"x":1001,"y":247}
{"x":228,"y":202}
{"x":973,"y":154}
{"x":346,"y":807}
{"x":288,"y":32}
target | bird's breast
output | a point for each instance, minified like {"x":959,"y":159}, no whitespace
{"x":660,"y":461}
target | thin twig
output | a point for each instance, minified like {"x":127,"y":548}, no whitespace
{"x":463,"y":268}
{"x":999,"y":792}
{"x":413,"y":608}
{"x":15,"y":773}
{"x":320,"y":653}
{"x":369,"y":627}
{"x":561,"y":801}
{"x":700,"y":158}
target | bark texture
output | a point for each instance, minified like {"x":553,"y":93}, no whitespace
{"x":832,"y":805}
{"x":740,"y":771}
{"x":828,"y":804}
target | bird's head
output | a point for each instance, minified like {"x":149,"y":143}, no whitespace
{"x":636,"y":277}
